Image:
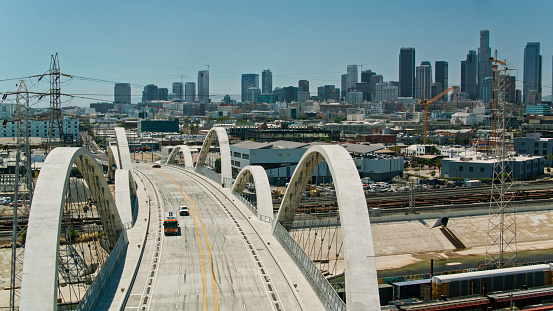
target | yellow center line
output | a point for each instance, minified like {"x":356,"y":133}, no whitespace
{"x":197,"y":235}
{"x":208,"y":252}
{"x":191,"y":202}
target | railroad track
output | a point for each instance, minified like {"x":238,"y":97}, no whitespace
{"x":535,"y":193}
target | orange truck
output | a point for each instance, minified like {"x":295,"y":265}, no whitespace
{"x":171,"y":223}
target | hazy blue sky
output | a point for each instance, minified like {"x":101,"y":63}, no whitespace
{"x":142,"y":42}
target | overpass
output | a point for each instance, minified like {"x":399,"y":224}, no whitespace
{"x":101,"y":246}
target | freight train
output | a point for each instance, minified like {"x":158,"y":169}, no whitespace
{"x":520,"y":287}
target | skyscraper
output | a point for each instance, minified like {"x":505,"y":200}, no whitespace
{"x":328,"y":92}
{"x":304,"y":85}
{"x":151,"y":92}
{"x":344,"y":85}
{"x":532,"y":71}
{"x":252,"y":94}
{"x":423,"y":81}
{"x":290,"y":93}
{"x":249,"y":80}
{"x":509,"y":83}
{"x":266,"y":81}
{"x":406,"y":72}
{"x":203,"y":88}
{"x":190,"y":92}
{"x":352,"y":77}
{"x":178,"y":91}
{"x":122,"y":93}
{"x":441,"y":77}
{"x":486,"y":89}
{"x":484,"y":63}
{"x":468,"y":75}
{"x":163,"y":93}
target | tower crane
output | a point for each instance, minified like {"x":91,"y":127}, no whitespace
{"x":425,"y":103}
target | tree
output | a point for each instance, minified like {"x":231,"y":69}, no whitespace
{"x":433,"y":173}
{"x":395,"y":149}
{"x":434,"y":150}
{"x":218,"y":165}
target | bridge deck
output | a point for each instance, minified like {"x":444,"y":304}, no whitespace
{"x":261,"y":277}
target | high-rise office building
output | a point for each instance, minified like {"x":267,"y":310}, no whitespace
{"x":304,"y":85}
{"x":178,"y":91}
{"x":328,"y":92}
{"x":163,"y":93}
{"x":203,"y":87}
{"x":122,"y":93}
{"x":266,"y":81}
{"x":151,"y":92}
{"x":344,"y":85}
{"x":366,"y":75}
{"x":385,"y":91}
{"x":486,"y":89}
{"x":352,"y":77}
{"x":484,"y":63}
{"x":468,"y":75}
{"x":423,"y":81}
{"x":375,"y":79}
{"x":509,"y":83}
{"x":441,"y":77}
{"x":252,"y":94}
{"x":190,"y":92}
{"x":532,"y":72}
{"x":290,"y":93}
{"x":406,"y":72}
{"x":249,"y":80}
{"x":367,"y":85}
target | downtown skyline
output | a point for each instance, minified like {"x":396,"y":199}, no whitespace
{"x":127,"y":51}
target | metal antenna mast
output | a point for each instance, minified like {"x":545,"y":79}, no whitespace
{"x":22,"y":190}
{"x":501,"y":250}
{"x":55,"y":125}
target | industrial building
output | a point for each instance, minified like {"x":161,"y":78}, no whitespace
{"x":481,"y":167}
{"x":279,"y":158}
{"x":533,"y":144}
{"x":39,"y":128}
{"x":162,"y":126}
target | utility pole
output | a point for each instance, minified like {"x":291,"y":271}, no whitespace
{"x":501,"y":251}
{"x":22,"y":191}
{"x":56,"y":118}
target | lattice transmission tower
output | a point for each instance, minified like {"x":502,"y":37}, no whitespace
{"x":501,"y":250}
{"x":55,"y":124}
{"x":22,"y":190}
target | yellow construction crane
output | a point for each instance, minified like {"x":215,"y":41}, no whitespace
{"x":425,"y":103}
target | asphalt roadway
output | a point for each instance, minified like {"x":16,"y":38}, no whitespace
{"x":217,"y":261}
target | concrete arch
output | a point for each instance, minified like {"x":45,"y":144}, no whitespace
{"x":188,"y":162}
{"x":359,"y":259}
{"x":113,"y":161}
{"x":262,"y":188}
{"x":125,"y":197}
{"x":40,"y":269}
{"x":123,"y":149}
{"x":224,"y":147}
